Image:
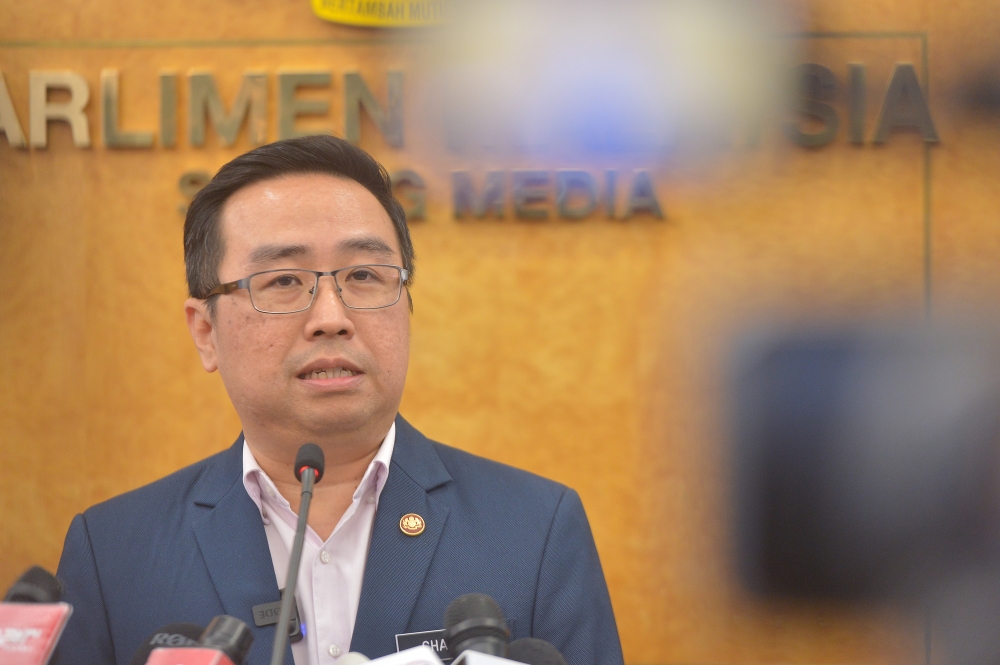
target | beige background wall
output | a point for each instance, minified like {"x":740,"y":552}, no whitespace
{"x":589,"y":352}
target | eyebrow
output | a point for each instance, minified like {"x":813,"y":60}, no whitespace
{"x":267,"y":254}
{"x":369,"y":244}
{"x":270,"y":253}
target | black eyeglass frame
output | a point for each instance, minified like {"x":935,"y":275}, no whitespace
{"x":229,"y":287}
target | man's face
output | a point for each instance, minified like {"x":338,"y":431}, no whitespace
{"x":328,"y":370}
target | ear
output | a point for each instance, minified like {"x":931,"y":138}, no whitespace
{"x":202,"y":332}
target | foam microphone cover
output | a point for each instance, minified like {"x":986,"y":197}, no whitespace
{"x":352,"y":658}
{"x":475,"y":621}
{"x":230,"y":636}
{"x":36,"y":585}
{"x":533,"y":651}
{"x":310,"y":455}
{"x":171,"y":635}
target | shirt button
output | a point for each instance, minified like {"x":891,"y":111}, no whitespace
{"x":270,"y":492}
{"x":324,"y":556}
{"x":334,"y":651}
{"x":371,"y":499}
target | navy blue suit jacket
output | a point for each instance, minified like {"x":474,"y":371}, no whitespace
{"x":192,"y":546}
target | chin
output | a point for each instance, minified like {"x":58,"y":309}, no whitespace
{"x":327,"y":424}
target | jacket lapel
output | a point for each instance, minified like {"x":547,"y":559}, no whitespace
{"x":397,"y":563}
{"x":234,"y":547}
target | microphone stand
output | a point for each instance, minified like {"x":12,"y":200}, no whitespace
{"x":309,"y":477}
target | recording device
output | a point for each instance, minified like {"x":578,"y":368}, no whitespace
{"x":475,"y":622}
{"x":309,"y":465}
{"x":225,"y":641}
{"x":533,"y":651}
{"x":867,"y":469}
{"x":32,"y":618}
{"x":266,"y":614}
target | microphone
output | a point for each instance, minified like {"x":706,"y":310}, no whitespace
{"x":226,"y":641}
{"x":419,"y":655}
{"x":353,"y":658}
{"x":36,"y":585}
{"x":533,"y":651}
{"x":32,"y":618}
{"x":528,"y":650}
{"x":475,"y":622}
{"x":230,"y":636}
{"x":309,"y":465}
{"x":171,"y":635}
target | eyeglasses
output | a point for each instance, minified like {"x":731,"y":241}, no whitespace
{"x":370,"y":286}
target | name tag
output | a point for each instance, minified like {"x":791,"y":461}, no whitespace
{"x":432,"y":638}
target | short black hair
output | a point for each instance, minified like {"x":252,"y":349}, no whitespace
{"x":203,"y":243}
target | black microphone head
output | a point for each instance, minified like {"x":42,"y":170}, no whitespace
{"x":36,"y":585}
{"x":475,"y":621}
{"x":171,"y":635}
{"x":471,"y":606}
{"x":309,"y":455}
{"x":533,"y":651}
{"x":229,"y":635}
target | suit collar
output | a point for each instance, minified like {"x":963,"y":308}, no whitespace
{"x":416,"y":457}
{"x":397,"y":564}
{"x":222,"y":472}
{"x":234,"y":547}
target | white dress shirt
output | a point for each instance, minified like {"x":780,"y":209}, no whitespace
{"x":329,"y":586}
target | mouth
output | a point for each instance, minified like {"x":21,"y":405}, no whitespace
{"x":328,"y":373}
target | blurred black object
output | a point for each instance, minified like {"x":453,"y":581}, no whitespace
{"x":979,"y":90}
{"x":866,"y":466}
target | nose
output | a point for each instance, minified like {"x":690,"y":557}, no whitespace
{"x":328,"y":315}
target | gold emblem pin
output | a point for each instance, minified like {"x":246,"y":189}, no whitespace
{"x":411,"y":524}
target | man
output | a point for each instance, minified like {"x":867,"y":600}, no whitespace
{"x":298,"y":264}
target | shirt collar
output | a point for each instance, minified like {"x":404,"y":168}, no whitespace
{"x":256,"y":481}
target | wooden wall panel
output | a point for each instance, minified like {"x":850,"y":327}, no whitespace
{"x":591,"y":352}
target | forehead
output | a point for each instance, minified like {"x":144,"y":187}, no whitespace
{"x":322,"y":215}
